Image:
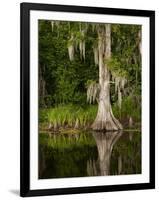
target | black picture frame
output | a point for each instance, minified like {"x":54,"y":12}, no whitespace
{"x":25,"y":9}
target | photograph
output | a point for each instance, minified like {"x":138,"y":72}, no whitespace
{"x":89,"y":89}
{"x":87,"y":99}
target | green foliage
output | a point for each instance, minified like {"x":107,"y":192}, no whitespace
{"x":67,"y":81}
{"x":115,"y":66}
{"x":69,"y":116}
{"x":89,"y":82}
{"x":125,"y":47}
{"x":130,"y":108}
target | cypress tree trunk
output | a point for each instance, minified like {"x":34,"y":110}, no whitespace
{"x":105,"y":119}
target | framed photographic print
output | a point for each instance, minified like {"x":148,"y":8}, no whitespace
{"x":87,"y":99}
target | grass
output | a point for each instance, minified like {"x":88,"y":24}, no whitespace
{"x":71,"y":116}
{"x":68,"y":116}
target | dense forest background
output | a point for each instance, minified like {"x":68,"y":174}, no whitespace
{"x":64,"y":80}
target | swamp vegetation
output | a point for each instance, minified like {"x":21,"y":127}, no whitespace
{"x":89,"y":99}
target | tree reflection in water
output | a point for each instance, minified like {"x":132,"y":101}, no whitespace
{"x":105,"y":142}
{"x":89,"y":154}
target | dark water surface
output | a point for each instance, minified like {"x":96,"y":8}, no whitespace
{"x":89,"y":154}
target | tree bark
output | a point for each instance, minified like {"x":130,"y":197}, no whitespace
{"x":105,"y":119}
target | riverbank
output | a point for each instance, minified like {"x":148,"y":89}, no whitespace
{"x":63,"y":118}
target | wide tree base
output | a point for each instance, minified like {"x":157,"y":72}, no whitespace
{"x":110,"y":124}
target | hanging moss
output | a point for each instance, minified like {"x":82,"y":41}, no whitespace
{"x":52,"y":26}
{"x":93,"y":89}
{"x":95,"y":51}
{"x":71,"y":48}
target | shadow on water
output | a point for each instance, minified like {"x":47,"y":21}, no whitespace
{"x":89,"y":154}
